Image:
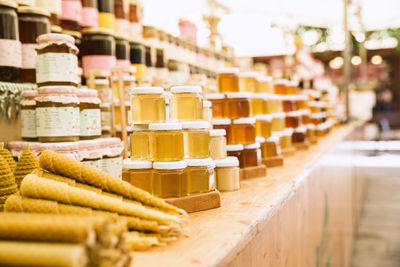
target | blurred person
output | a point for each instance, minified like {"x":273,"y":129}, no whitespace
{"x":382,"y":110}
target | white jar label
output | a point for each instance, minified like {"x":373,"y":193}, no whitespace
{"x":112,"y":166}
{"x":97,"y":164}
{"x":90,"y":121}
{"x":105,"y":119}
{"x":28,"y":123}
{"x":57,"y":121}
{"x":56,"y":67}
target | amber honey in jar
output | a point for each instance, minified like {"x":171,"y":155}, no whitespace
{"x":118,"y":115}
{"x":218,"y":105}
{"x":238,"y":105}
{"x":237,"y":152}
{"x":243,"y":131}
{"x":106,"y":14}
{"x":258,"y":104}
{"x":137,"y":58}
{"x":218,"y":144}
{"x":10,"y":46}
{"x":197,"y":139}
{"x":57,"y":114}
{"x":248,"y":82}
{"x":293,"y":119}
{"x":98,"y":50}
{"x":278,"y":123}
{"x":292,"y":87}
{"x":170,"y":179}
{"x":71,"y":15}
{"x":200,"y":175}
{"x":311,"y":131}
{"x":299,"y":134}
{"x":90,"y":118}
{"x":252,"y":155}
{"x":264,"y":126}
{"x":32,"y":22}
{"x":56,"y":61}
{"x":140,"y":143}
{"x":186,"y":103}
{"x":55,"y":9}
{"x":302,"y":102}
{"x":271,"y":147}
{"x":318,"y":118}
{"x":305,"y":116}
{"x":227,"y":174}
{"x":166,"y":142}
{"x":138,"y":173}
{"x":286,"y":138}
{"x":148,"y":105}
{"x":264,"y":85}
{"x":228,"y":80}
{"x":224,"y":124}
{"x":28,"y":115}
{"x":90,"y":14}
{"x":280,"y":87}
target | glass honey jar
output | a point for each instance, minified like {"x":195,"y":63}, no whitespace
{"x":224,"y":124}
{"x":286,"y":138}
{"x":71,"y":15}
{"x":28,"y":115}
{"x":293,"y":119}
{"x":207,"y":111}
{"x":106,"y":14}
{"x":186,"y":103}
{"x":248,"y":82}
{"x":218,"y":105}
{"x":258,"y":104}
{"x":299,"y":134}
{"x":278,"y":123}
{"x":316,"y":106}
{"x":237,"y":152}
{"x":274,"y":104}
{"x":117,"y":113}
{"x":280,"y":87}
{"x":90,"y":118}
{"x":197,"y":139}
{"x":264,"y":85}
{"x":243,"y":131}
{"x":200,"y":175}
{"x":271,"y":147}
{"x":311,"y":131}
{"x":148,"y":105}
{"x":138,"y":173}
{"x":288,"y":102}
{"x":166,"y":142}
{"x":264,"y":126}
{"x":292,"y":87}
{"x":228,"y":80}
{"x":227,"y":174}
{"x":318,"y":118}
{"x":305,"y":116}
{"x":218,"y":144}
{"x":252,"y":155}
{"x":170,"y":179}
{"x":140,"y":143}
{"x":137,"y":58}
{"x":238,"y":105}
{"x":90,"y":14}
{"x":122,"y":51}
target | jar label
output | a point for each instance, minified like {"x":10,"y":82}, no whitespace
{"x":90,"y":122}
{"x":53,"y":6}
{"x":57,"y":121}
{"x":112,"y":166}
{"x":98,"y":63}
{"x":105,"y":119}
{"x":97,"y":164}
{"x":123,"y":63}
{"x":90,"y":17}
{"x":10,"y":53}
{"x":56,"y":67}
{"x":28,"y":123}
{"x":71,"y":10}
{"x":29,"y":56}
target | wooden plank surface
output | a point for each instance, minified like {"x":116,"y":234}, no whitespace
{"x":228,"y":236}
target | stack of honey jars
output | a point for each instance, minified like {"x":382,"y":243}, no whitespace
{"x":170,"y":144}
{"x":319,"y":124}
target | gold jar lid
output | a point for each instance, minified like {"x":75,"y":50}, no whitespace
{"x":55,"y":29}
{"x":74,"y":34}
{"x":9,"y":3}
{"x":104,"y":31}
{"x":33,"y":10}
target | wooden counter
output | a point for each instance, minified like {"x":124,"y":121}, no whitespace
{"x":301,"y":214}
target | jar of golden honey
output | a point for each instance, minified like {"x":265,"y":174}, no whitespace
{"x":224,"y":124}
{"x":227,"y":172}
{"x":238,"y":105}
{"x":278,"y":123}
{"x":207,"y":111}
{"x":186,"y":103}
{"x":166,"y":142}
{"x":170,"y":179}
{"x":299,"y":134}
{"x":138,"y":173}
{"x":259,"y":104}
{"x":293,"y":119}
{"x":200,"y":175}
{"x":286,"y":138}
{"x":275,"y":104}
{"x":197,"y":139}
{"x":280,"y":86}
{"x":148,"y":105}
{"x":271,"y":147}
{"x":218,"y":144}
{"x":305,"y":116}
{"x":318,"y":118}
{"x":252,"y":155}
{"x":228,"y":80}
{"x":248,"y":82}
{"x":264,"y":85}
{"x":288,"y":103}
{"x":264,"y":126}
{"x":140,"y":143}
{"x":218,"y":105}
{"x":302,"y":102}
{"x":237,"y":152}
{"x":243,"y":131}
{"x":311,"y":131}
{"x":292,"y":87}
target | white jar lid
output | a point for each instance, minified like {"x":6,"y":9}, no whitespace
{"x":249,"y":74}
{"x":207,"y":104}
{"x":264,"y":78}
{"x":249,"y":120}
{"x":101,"y":82}
{"x":273,"y":138}
{"x":195,"y":125}
{"x":270,"y":96}
{"x":105,"y":105}
{"x":281,"y":81}
{"x":217,"y":132}
{"x":127,"y":78}
{"x":169,"y":165}
{"x":300,"y":129}
{"x":260,"y":139}
{"x":221,"y":121}
{"x":264,"y":117}
{"x":147,"y":90}
{"x":234,"y":147}
{"x":228,"y":70}
{"x":185,"y":89}
{"x":279,"y":115}
{"x":215,"y":96}
{"x":292,"y":83}
{"x":239,"y":95}
{"x":304,"y":111}
{"x":252,"y":146}
{"x":311,"y":126}
{"x":296,"y":113}
{"x":318,"y":104}
{"x":198,"y":162}
{"x":302,"y":97}
{"x":288,"y":132}
{"x":227,"y":162}
{"x":165,"y":126}
{"x":259,"y":96}
{"x":318,"y":115}
{"x":278,"y":134}
{"x":136,"y":164}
